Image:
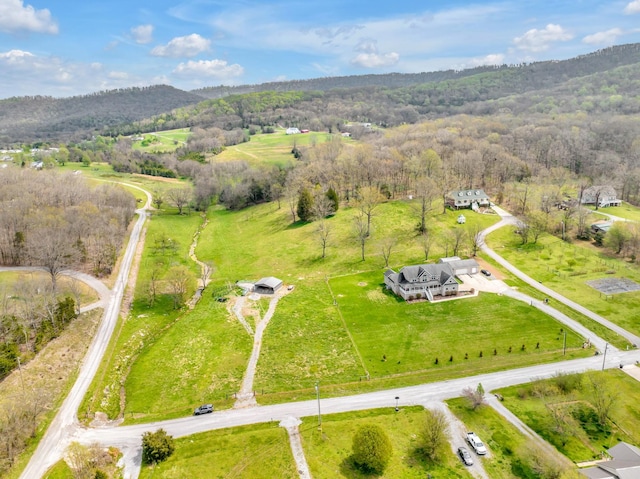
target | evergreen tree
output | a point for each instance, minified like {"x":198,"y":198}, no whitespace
{"x":156,"y":446}
{"x":333,"y":198}
{"x":305,"y":205}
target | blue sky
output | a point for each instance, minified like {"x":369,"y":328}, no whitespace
{"x":64,"y":47}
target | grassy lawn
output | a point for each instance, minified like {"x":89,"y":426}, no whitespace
{"x":271,"y":149}
{"x":579,"y":435}
{"x":200,"y":359}
{"x":509,"y":448}
{"x":145,"y":323}
{"x":626,"y":210}
{"x":328,"y":452}
{"x":163,"y":141}
{"x":65,"y":284}
{"x":60,"y":470}
{"x":566,"y":267}
{"x":395,"y":337}
{"x":260,"y":451}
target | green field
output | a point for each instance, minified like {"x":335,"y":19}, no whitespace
{"x":260,"y":451}
{"x":627,"y":211}
{"x":565,"y":268}
{"x":272,"y":148}
{"x":163,"y":141}
{"x":328,"y":452}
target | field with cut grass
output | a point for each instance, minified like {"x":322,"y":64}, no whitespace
{"x":566,"y":267}
{"x":66,"y":286}
{"x":567,"y":417}
{"x":510,"y":452}
{"x":328,"y":452}
{"x":260,"y":451}
{"x":626,"y":210}
{"x":162,"y":141}
{"x":272,"y":148}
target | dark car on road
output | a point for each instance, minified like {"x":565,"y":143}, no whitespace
{"x":485,"y":272}
{"x":204,"y":409}
{"x":465,"y":455}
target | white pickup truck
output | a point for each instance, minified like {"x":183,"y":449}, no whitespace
{"x":476,"y":444}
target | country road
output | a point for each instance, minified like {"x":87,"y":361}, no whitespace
{"x":65,"y":427}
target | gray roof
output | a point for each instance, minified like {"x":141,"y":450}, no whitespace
{"x":475,"y":194}
{"x":269,"y":282}
{"x":625,"y":464}
{"x":425,"y":273}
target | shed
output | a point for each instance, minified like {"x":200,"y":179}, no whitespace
{"x":461,"y":266}
{"x":268,"y":285}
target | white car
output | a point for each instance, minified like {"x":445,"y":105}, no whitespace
{"x":476,"y":444}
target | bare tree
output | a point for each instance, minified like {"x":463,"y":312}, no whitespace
{"x":474,"y":235}
{"x":426,"y":242}
{"x":386,"y":246}
{"x":433,"y":434}
{"x":426,"y":192}
{"x":369,"y":198}
{"x":582,"y":223}
{"x":457,"y":239}
{"x":523,"y":231}
{"x":51,"y":248}
{"x":152,"y":287}
{"x":603,"y":397}
{"x":474,"y":396}
{"x":179,"y":278}
{"x":179,"y":197}
{"x":323,"y":231}
{"x":158,"y":198}
{"x":361,"y":230}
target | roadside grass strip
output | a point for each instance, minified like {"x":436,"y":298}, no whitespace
{"x":259,"y":451}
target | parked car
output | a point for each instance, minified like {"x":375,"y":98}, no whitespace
{"x":204,"y":409}
{"x":465,"y":455}
{"x":485,"y":272}
{"x":476,"y":444}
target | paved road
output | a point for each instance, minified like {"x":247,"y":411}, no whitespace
{"x":55,"y":440}
{"x":508,"y":219}
{"x":65,"y":427}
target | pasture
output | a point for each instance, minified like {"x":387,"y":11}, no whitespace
{"x":162,"y":141}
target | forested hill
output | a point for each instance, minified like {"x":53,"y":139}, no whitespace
{"x":534,"y":75}
{"x":388,"y":99}
{"x":39,"y":118}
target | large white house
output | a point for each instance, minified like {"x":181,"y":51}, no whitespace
{"x":472,"y":199}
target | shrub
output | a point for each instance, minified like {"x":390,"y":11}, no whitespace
{"x":156,"y":446}
{"x":371,"y":449}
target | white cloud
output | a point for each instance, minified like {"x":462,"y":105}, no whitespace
{"x":142,"y":34}
{"x":375,"y":60}
{"x":15,"y":56}
{"x":17,"y":17}
{"x":608,"y":37}
{"x":492,"y":59}
{"x":540,"y":40}
{"x":632,"y":7}
{"x":219,"y":69}
{"x":188,"y":46}
{"x":118,"y":75}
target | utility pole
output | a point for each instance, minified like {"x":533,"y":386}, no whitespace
{"x":605,"y":355}
{"x":319,"y":415}
{"x":564,"y":344}
{"x":24,"y":392}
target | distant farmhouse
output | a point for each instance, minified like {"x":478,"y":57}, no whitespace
{"x":292,"y":131}
{"x":472,"y":199}
{"x":602,"y":196}
{"x":429,"y":280}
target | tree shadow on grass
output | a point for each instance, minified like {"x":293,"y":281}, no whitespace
{"x":350,"y":470}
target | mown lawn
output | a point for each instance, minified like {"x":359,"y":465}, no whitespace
{"x":568,"y":420}
{"x":566,"y":267}
{"x":259,"y":451}
{"x":510,"y":452}
{"x":328,"y":452}
{"x":65,"y":285}
{"x":163,"y":141}
{"x":626,"y":210}
{"x":396,"y":337}
{"x":271,"y":148}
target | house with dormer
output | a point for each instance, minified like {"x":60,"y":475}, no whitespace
{"x":471,"y":199}
{"x":602,"y":196}
{"x":425,"y":281}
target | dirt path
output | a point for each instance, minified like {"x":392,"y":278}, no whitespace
{"x":205,"y":269}
{"x":246,"y":397}
{"x":291,"y":424}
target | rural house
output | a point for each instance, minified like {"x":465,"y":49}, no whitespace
{"x":428,"y":280}
{"x":625,"y":464}
{"x":602,"y":196}
{"x":472,"y":199}
{"x":292,"y":131}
